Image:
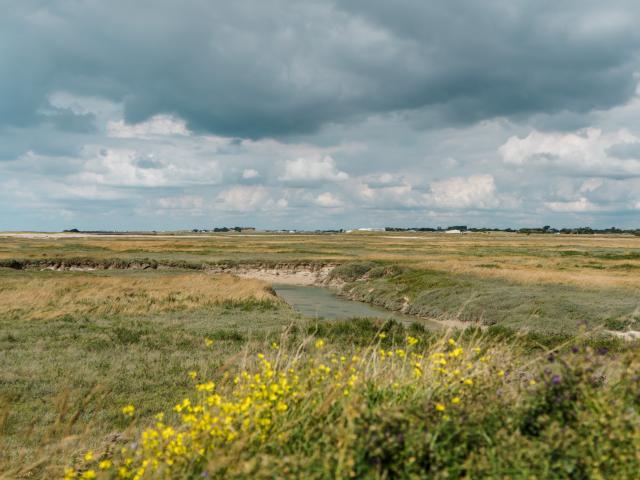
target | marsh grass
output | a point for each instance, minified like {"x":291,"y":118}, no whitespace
{"x":488,"y":301}
{"x":49,"y":295}
{"x":554,"y":259}
{"x":75,"y":345}
{"x":396,"y":406}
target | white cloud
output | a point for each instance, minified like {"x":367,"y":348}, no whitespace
{"x":180,"y":205}
{"x":119,"y":167}
{"x":102,"y":109}
{"x":587,"y":151}
{"x":186,"y":202}
{"x":328,"y":200}
{"x":476,"y":191}
{"x":163,"y":167}
{"x":249,"y":198}
{"x":591,"y":184}
{"x":312,"y":169}
{"x":250,"y":173}
{"x":394,"y":196}
{"x":577,"y":206}
{"x":158,"y":125}
{"x":384,"y":180}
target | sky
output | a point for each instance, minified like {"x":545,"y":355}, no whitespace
{"x":163,"y":115}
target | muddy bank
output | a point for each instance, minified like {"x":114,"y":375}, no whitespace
{"x":294,"y":273}
{"x":284,"y":274}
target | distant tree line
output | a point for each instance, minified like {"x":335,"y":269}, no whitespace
{"x":546,"y":229}
{"x":462,"y":228}
{"x":224,"y":229}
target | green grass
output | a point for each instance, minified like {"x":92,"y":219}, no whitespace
{"x":474,"y":407}
{"x":541,"y":307}
{"x":48,"y":368}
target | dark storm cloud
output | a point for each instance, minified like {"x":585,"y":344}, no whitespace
{"x":275,"y":67}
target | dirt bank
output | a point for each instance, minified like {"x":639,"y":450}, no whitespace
{"x":291,"y":273}
{"x":287,"y":274}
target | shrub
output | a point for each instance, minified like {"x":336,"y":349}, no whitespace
{"x":448,"y":409}
{"x":350,"y":272}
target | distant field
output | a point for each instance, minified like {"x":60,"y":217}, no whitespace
{"x":598,"y":260}
{"x":76,"y":346}
{"x":552,"y":283}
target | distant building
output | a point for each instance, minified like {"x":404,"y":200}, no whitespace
{"x":455,"y":230}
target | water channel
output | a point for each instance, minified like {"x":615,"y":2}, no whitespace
{"x":320,"y":302}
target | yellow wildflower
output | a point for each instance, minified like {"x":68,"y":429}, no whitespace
{"x":88,"y":456}
{"x":105,"y":464}
{"x":206,"y":387}
{"x":319,"y":343}
{"x":411,"y":341}
{"x":208,"y":342}
{"x":440,"y":407}
{"x":456,"y":353}
{"x":455,"y":400}
{"x":128,"y":410}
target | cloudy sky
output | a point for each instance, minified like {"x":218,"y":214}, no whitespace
{"x":159,"y":114}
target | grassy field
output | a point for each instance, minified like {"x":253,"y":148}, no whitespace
{"x":594,"y":260}
{"x":462,"y":298}
{"x":85,"y":343}
{"x":78,"y":346}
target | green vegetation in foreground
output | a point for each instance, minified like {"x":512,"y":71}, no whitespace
{"x":63,"y":380}
{"x":546,"y":308}
{"x":400,"y":407}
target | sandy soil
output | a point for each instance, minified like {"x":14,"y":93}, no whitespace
{"x":299,"y":275}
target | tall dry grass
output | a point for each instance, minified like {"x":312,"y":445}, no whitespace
{"x":56,"y":295}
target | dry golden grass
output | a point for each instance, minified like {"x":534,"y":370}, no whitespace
{"x":52,"y":296}
{"x":533,"y":271}
{"x":585,"y":260}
